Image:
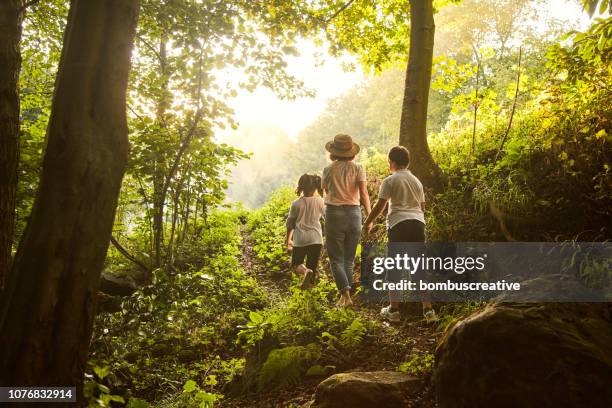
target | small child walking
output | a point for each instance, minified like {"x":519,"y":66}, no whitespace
{"x":304,"y":233}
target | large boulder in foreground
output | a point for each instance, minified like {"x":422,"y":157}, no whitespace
{"x":365,"y":390}
{"x":527,"y":355}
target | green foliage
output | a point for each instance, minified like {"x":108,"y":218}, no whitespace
{"x":254,"y":330}
{"x":43,"y":23}
{"x":318,"y":370}
{"x":557,"y":149}
{"x":267,"y":230}
{"x":96,"y":393}
{"x":418,"y":364}
{"x":348,"y":339}
{"x":194,"y":396}
{"x":352,"y":336}
{"x":286,"y":366}
{"x":175,"y":329}
{"x":593,"y":6}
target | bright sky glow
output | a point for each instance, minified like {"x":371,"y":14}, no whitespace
{"x":329,"y":80}
{"x":319,"y":71}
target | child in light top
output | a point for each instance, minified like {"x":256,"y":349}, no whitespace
{"x":405,"y":219}
{"x":304,"y":233}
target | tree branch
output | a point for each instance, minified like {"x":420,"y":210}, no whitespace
{"x":26,"y":5}
{"x":149,"y":46}
{"x":518,"y":80}
{"x":340,"y":10}
{"x":125,"y":253}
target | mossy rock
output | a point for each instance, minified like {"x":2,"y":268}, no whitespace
{"x":387,"y":389}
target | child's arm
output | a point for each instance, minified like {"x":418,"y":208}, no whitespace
{"x":289,"y":240}
{"x":291,"y":227}
{"x":378,"y":208}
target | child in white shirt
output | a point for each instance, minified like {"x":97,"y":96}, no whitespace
{"x":304,"y":233}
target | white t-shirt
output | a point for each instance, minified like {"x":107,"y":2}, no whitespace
{"x":341,"y":182}
{"x":304,"y":217}
{"x":405,"y":194}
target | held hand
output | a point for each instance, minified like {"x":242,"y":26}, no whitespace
{"x":367,"y":228}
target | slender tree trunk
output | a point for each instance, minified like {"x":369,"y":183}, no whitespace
{"x":186,"y":209}
{"x":10,"y":62}
{"x":175,"y":210}
{"x":149,"y":218}
{"x":158,"y":216}
{"x":195,"y":216}
{"x":516,"y":92}
{"x":159,"y":178}
{"x":413,"y":126}
{"x":475,"y":110}
{"x":47,"y":310}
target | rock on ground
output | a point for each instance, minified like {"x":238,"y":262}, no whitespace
{"x":527,"y":355}
{"x":117,"y":285}
{"x":365,"y":390}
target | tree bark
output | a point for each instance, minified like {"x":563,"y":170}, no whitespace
{"x":47,"y":310}
{"x":10,"y":63}
{"x":413,"y":126}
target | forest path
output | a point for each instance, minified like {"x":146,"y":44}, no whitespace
{"x":384,"y":346}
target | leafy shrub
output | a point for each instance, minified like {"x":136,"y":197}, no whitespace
{"x":418,"y":364}
{"x":267,"y":230}
{"x":175,"y":329}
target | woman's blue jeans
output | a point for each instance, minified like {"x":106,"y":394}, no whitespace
{"x":342,"y":232}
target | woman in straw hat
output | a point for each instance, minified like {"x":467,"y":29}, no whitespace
{"x":344,"y":183}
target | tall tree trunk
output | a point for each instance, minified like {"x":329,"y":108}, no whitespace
{"x":10,"y":62}
{"x":413,"y":126}
{"x":47,"y":309}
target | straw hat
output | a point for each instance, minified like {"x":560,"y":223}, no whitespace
{"x":342,"y":146}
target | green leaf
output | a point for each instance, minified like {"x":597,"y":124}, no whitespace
{"x":255,"y":317}
{"x":190,"y":386}
{"x":137,"y":403}
{"x":104,"y":389}
{"x":101,"y":372}
{"x":117,"y":398}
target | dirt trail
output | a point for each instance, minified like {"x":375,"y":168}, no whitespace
{"x":383,"y":348}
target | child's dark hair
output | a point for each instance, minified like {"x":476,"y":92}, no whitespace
{"x":400,"y":156}
{"x":309,"y":183}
